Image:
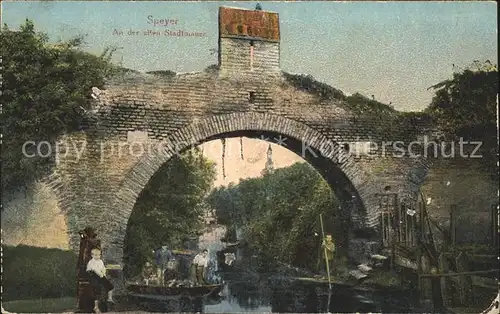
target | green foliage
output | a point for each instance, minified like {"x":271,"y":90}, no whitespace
{"x":309,"y":84}
{"x":54,"y":305}
{"x":32,"y":272}
{"x":122,"y":71}
{"x":163,"y":73}
{"x":356,"y":103}
{"x":45,"y":89}
{"x":465,"y":105}
{"x":212,"y":68}
{"x":369,"y":107}
{"x":279,"y":214}
{"x":168,"y":210}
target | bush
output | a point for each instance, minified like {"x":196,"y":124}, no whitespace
{"x":309,"y":84}
{"x":163,"y":73}
{"x":32,"y":272}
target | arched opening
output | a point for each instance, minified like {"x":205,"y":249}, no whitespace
{"x":347,"y":205}
{"x":351,"y":182}
{"x":339,"y":224}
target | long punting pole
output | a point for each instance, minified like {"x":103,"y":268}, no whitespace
{"x":326,"y":255}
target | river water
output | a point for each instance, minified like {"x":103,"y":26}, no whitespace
{"x":263,"y":295}
{"x":266,"y":295}
{"x":246,"y":291}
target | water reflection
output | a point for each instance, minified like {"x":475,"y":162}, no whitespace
{"x":247,"y":291}
{"x":263,"y":295}
{"x":241,"y":296}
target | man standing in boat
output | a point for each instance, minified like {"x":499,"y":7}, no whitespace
{"x":198,"y":267}
{"x":163,"y":256}
{"x":329,"y":247}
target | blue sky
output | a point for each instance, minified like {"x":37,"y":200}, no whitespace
{"x":393,"y":50}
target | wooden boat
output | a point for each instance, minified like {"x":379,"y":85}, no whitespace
{"x":323,"y":281}
{"x":232,"y":244}
{"x":183,"y":252}
{"x":158,"y":292}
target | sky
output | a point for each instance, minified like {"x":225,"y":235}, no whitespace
{"x":392,"y":50}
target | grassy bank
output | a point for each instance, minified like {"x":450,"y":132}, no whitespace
{"x":56,"y":305}
{"x":37,"y":273}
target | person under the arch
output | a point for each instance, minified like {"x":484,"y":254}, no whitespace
{"x":199,"y":267}
{"x":329,"y":245}
{"x":147,"y":272}
{"x":162,"y":256}
{"x":171,"y":274}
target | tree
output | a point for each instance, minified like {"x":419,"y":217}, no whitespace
{"x":46,"y":89}
{"x":163,"y":73}
{"x":465,"y":105}
{"x":169,"y":209}
{"x":279,"y":214}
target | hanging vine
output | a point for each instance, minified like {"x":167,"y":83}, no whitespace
{"x":223,"y":157}
{"x":241,"y":148}
{"x":269,"y":162}
{"x":270,"y":155}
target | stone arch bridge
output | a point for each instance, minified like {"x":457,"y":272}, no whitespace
{"x":145,"y":120}
{"x":102,"y":169}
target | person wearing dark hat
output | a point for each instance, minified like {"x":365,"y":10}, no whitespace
{"x":88,"y":241}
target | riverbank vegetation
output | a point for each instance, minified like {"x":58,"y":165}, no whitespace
{"x":36,"y":273}
{"x":169,"y":209}
{"x":465,"y":106}
{"x":46,"y":89}
{"x":53,"y":305}
{"x":278,"y":215}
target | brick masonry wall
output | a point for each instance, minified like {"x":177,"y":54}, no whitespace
{"x":235,"y":56}
{"x":465,"y":183}
{"x":100,"y":185}
{"x":101,"y":188}
{"x":33,"y":217}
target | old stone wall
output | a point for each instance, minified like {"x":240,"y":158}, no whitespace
{"x":236,"y":56}
{"x":141,"y":121}
{"x":34,"y":217}
{"x":466,"y":184}
{"x":103,"y":181}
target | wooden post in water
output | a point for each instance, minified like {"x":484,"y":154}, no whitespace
{"x":421,"y":292}
{"x":326,"y":254}
{"x":453,"y":226}
{"x":464,"y":281}
{"x":443,"y":269}
{"x":494,"y":225}
{"x":419,"y":264}
{"x":395,"y":224}
{"x":399,"y":225}
{"x":422,"y":223}
{"x":382,"y":221}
